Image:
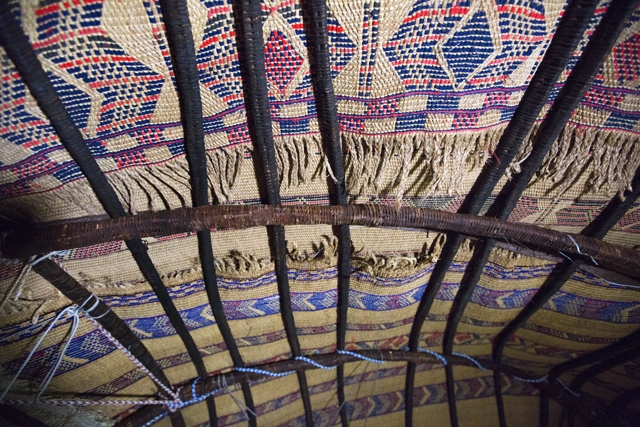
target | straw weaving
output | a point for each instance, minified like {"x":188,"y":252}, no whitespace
{"x":319,"y":213}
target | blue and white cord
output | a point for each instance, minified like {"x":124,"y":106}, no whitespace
{"x":314,"y":363}
{"x":360,"y":356}
{"x":263,"y":372}
{"x":475,"y":362}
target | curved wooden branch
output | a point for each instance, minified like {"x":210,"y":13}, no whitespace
{"x":47,"y":238}
{"x":212,"y":383}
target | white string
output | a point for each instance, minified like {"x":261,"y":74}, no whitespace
{"x":74,"y":311}
{"x":58,"y":317}
{"x":49,"y":255}
{"x":579,"y":251}
{"x":101,"y":316}
{"x":16,"y":286}
{"x":614,"y":283}
{"x":74,"y":328}
{"x":243,"y":408}
{"x":622,"y":285}
{"x":566,"y":256}
{"x":568,"y":388}
{"x":93,"y":307}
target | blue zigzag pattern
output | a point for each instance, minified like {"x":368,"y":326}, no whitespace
{"x":88,"y":347}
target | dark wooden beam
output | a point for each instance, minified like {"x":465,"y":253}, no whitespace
{"x":315,"y":18}
{"x":180,"y":38}
{"x":568,"y":34}
{"x":598,"y":228}
{"x":597,"y":356}
{"x":78,"y":234}
{"x":599,"y":368}
{"x":615,"y":410}
{"x":79,"y":295}
{"x":248,"y":15}
{"x":210,"y":384}
{"x":21,"y":53}
{"x":111,"y":322}
{"x":565,"y":103}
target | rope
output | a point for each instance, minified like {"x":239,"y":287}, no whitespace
{"x":532,"y":380}
{"x":131,"y":357}
{"x":16,"y":286}
{"x":568,"y":388}
{"x":360,"y":356}
{"x":193,"y":387}
{"x":471,"y":359}
{"x":74,"y":311}
{"x":433,"y":353}
{"x":579,"y":251}
{"x":79,"y":402}
{"x":526,"y":380}
{"x":177,"y":403}
{"x":314,"y":363}
{"x":156,"y":419}
{"x":263,"y":372}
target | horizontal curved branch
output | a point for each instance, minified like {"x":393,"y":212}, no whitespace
{"x":212,"y":383}
{"x":48,"y":238}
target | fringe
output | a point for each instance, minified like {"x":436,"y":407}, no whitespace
{"x":607,"y":160}
{"x":421,"y":164}
{"x":390,"y":166}
{"x":169,"y":186}
{"x":139,"y":189}
{"x":299,"y":160}
{"x":323,"y":254}
{"x":523,"y":153}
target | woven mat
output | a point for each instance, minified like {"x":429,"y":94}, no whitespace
{"x":419,"y":115}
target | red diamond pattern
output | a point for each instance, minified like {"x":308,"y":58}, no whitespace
{"x":282,"y":61}
{"x":626,"y":56}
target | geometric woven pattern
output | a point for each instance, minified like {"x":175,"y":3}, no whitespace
{"x":422,"y":97}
